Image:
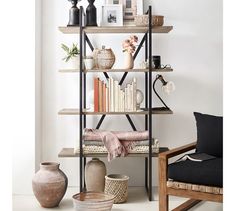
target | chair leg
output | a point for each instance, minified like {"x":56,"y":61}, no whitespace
{"x":163,"y":196}
{"x":187,"y":205}
{"x":163,"y":201}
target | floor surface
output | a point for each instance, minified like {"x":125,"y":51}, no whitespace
{"x":137,"y":201}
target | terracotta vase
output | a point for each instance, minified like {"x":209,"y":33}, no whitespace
{"x":49,"y":184}
{"x":128,"y":60}
{"x":95,"y":172}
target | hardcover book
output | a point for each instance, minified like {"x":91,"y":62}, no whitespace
{"x":197,"y":157}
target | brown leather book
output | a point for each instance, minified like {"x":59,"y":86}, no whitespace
{"x":96,"y":94}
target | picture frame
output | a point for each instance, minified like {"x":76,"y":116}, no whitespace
{"x":130,"y":8}
{"x":112,"y":15}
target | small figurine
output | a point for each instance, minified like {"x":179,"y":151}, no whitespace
{"x":73,"y":14}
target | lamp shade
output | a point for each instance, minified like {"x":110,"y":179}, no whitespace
{"x":168,"y":87}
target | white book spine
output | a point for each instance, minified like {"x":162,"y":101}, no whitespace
{"x":112,"y":95}
{"x":125,"y":99}
{"x":128,"y":97}
{"x":134,"y":93}
{"x":116,"y":96}
{"x":132,"y":96}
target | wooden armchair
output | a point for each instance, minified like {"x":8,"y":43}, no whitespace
{"x":181,"y":186}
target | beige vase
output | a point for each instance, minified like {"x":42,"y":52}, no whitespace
{"x":95,"y":172}
{"x":49,"y":184}
{"x":128,"y":60}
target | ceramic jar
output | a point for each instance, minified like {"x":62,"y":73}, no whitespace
{"x":49,"y":184}
{"x":128,"y":60}
{"x":105,"y":58}
{"x":89,"y":63}
{"x":95,"y":172}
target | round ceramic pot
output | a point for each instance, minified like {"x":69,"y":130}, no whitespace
{"x":74,"y":62}
{"x":49,"y":184}
{"x":128,"y":60}
{"x":105,"y":58}
{"x":95,"y":172}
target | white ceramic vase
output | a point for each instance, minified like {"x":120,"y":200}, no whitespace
{"x":73,"y":63}
{"x":128,"y":60}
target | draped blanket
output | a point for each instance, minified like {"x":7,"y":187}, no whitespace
{"x":117,"y":143}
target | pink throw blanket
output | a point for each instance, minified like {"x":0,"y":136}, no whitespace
{"x":117,"y":143}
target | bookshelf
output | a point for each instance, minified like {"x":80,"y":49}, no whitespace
{"x":148,"y":111}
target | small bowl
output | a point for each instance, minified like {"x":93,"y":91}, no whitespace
{"x":93,"y":201}
{"x":143,"y":20}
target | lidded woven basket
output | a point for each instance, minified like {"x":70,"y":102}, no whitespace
{"x":105,"y":58}
{"x":117,"y":185}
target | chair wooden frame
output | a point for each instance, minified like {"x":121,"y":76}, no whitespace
{"x":164,"y":191}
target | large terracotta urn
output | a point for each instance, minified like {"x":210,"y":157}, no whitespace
{"x":95,"y":172}
{"x":49,"y":184}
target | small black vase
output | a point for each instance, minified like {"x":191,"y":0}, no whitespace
{"x":91,"y":14}
{"x":73,"y":14}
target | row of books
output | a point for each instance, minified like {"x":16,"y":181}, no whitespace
{"x":110,"y":97}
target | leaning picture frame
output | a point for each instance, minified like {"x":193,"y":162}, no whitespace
{"x":131,"y":8}
{"x":112,"y":15}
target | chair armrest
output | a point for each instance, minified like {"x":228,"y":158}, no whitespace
{"x":177,"y":151}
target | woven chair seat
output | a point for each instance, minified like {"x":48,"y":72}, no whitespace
{"x":194,"y":187}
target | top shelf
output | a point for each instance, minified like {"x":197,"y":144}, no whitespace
{"x":115,"y":29}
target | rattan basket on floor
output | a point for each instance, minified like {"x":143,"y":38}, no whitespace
{"x":117,"y":185}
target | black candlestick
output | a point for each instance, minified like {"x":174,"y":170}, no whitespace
{"x":91,"y":14}
{"x":73,"y":14}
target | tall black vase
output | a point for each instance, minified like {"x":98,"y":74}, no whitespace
{"x":73,"y":14}
{"x":91,"y":14}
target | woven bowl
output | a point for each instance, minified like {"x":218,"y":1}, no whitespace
{"x":93,"y":201}
{"x":143,"y":20}
{"x":117,"y":185}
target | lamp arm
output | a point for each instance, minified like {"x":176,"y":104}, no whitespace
{"x":157,"y":93}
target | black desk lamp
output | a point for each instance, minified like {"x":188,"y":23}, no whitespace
{"x":167,"y":87}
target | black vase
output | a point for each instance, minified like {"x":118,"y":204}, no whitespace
{"x":73,"y":14}
{"x":91,"y":14}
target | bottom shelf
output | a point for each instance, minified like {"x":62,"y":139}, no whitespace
{"x":69,"y":152}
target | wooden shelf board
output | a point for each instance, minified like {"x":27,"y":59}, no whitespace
{"x":74,"y":111}
{"x":69,"y":152}
{"x":116,"y":29}
{"x":115,"y":70}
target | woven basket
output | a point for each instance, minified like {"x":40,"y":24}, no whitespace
{"x":117,"y":185}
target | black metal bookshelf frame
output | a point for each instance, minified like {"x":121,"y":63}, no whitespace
{"x":147,"y":42}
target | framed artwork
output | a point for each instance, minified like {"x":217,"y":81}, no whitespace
{"x":112,"y":15}
{"x":130,"y":7}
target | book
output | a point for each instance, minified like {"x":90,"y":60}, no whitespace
{"x":116,"y":96}
{"x":112,"y":94}
{"x":107,"y":98}
{"x":96,"y":94}
{"x":100,"y":96}
{"x":197,"y":157}
{"x":104,"y":96}
{"x":134,"y":94}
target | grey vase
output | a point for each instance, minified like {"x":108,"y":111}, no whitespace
{"x":49,"y":184}
{"x":95,"y":172}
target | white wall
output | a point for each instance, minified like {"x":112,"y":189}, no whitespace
{"x":21,"y":97}
{"x":193,"y":48}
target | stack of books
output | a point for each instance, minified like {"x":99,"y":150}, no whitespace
{"x":109,"y":97}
